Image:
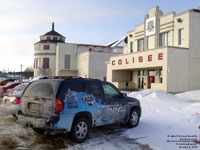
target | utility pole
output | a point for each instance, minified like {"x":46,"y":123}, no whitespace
{"x":21,"y":72}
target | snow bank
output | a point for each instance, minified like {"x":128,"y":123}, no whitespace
{"x":165,"y":117}
{"x":190,"y":96}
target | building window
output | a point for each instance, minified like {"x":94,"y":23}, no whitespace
{"x":131,"y":47}
{"x":180,"y":36}
{"x":151,"y":73}
{"x":141,"y":79}
{"x":37,"y":63}
{"x":161,"y":76}
{"x":61,"y":39}
{"x":38,"y":47}
{"x":48,"y":38}
{"x":46,"y":47}
{"x":140,"y":45}
{"x":45,"y":63}
{"x":163,"y":39}
{"x":67,"y":61}
{"x":54,"y":38}
{"x":131,"y":75}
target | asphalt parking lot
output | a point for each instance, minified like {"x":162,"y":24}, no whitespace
{"x":16,"y":136}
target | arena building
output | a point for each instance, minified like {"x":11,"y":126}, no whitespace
{"x":163,"y":53}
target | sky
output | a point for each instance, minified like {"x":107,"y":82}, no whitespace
{"x":80,"y":21}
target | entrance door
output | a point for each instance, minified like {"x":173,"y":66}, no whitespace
{"x":151,"y":79}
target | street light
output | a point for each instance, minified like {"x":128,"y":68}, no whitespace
{"x":21,"y":72}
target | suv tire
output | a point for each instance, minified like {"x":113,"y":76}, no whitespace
{"x":80,"y":130}
{"x":133,"y":118}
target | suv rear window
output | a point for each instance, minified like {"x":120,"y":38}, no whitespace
{"x":40,"y":89}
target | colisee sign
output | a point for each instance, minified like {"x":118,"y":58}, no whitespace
{"x":139,"y":59}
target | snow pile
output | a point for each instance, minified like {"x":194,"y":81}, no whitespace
{"x":190,"y":96}
{"x":165,"y":118}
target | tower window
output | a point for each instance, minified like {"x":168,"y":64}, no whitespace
{"x":46,"y":47}
{"x":45,"y":63}
{"x":48,"y":38}
{"x":54,"y":38}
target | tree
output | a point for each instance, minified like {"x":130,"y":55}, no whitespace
{"x":43,"y":71}
{"x":28,"y":72}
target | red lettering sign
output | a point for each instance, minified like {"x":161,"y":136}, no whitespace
{"x":149,"y":57}
{"x":127,"y":61}
{"x":140,"y":59}
{"x":133,"y":60}
{"x":119,"y":61}
{"x":160,"y":56}
{"x":113,"y":62}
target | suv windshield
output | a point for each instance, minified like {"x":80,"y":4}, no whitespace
{"x":41,"y":89}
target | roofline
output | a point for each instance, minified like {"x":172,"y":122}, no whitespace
{"x":92,"y":45}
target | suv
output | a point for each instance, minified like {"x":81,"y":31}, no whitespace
{"x":75,"y":105}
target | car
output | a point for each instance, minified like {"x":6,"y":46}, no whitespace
{"x":4,"y":82}
{"x":9,"y":85}
{"x":11,"y":101}
{"x":75,"y":105}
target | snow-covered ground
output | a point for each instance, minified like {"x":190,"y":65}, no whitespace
{"x":168,"y":122}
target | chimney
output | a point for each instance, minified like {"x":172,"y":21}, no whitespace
{"x":53,"y":26}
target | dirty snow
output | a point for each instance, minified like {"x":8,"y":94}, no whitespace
{"x":166,"y":118}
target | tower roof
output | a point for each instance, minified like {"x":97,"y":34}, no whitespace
{"x":53,"y":32}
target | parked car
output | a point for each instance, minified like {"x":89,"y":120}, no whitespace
{"x":75,"y":105}
{"x":11,"y":101}
{"x":10,"y":85}
{"x":4,"y":82}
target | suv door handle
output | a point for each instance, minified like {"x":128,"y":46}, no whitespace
{"x":90,"y":104}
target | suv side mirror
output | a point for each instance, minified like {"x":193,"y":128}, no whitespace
{"x":123,"y":95}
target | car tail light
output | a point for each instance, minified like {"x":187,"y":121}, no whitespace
{"x":17,"y":100}
{"x":58,"y":107}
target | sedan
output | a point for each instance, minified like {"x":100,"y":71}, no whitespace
{"x":11,"y":101}
{"x":10,"y":85}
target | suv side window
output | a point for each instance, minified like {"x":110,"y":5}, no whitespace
{"x":110,"y":91}
{"x":87,"y":88}
{"x":75,"y":85}
{"x":95,"y":89}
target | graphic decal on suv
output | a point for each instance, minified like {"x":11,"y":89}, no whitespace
{"x":71,"y":99}
{"x":109,"y":113}
{"x":89,"y":98}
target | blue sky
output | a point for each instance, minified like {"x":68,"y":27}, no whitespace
{"x":80,"y":21}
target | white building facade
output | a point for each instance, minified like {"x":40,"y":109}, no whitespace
{"x":163,"y":52}
{"x":54,"y":57}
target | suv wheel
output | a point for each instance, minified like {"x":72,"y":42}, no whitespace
{"x":80,"y":130}
{"x":133,"y":118}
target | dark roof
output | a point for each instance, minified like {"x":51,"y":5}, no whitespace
{"x":196,"y":10}
{"x":52,"y":32}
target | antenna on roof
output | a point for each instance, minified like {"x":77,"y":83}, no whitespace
{"x":53,"y":26}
